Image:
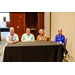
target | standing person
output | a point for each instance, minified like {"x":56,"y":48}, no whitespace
{"x":26,"y":37}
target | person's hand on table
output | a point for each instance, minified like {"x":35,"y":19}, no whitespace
{"x":12,"y":42}
{"x":58,"y":43}
{"x":62,"y":44}
{"x":33,"y":41}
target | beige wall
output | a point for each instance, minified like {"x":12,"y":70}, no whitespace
{"x":66,"y":21}
{"x":47,"y":23}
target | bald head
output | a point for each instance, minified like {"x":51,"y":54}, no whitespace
{"x":11,"y":30}
{"x":60,"y":31}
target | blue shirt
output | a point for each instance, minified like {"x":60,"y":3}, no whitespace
{"x":58,"y":39}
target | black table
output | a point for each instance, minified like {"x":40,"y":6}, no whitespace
{"x":47,"y":51}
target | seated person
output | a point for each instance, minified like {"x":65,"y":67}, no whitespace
{"x":27,"y":36}
{"x":12,"y":37}
{"x":60,"y":39}
{"x":42,"y":36}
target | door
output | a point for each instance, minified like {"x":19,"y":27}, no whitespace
{"x":31,"y":22}
{"x":17,"y":20}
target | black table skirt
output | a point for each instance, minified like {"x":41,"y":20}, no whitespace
{"x":33,"y":52}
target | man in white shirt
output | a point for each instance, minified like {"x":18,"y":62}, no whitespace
{"x":12,"y":37}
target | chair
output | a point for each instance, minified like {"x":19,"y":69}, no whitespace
{"x":48,"y":38}
{"x":65,"y":41}
{"x":66,"y":58}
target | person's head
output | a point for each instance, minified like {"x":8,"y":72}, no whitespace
{"x":41,"y":32}
{"x":4,"y":19}
{"x":28,"y":31}
{"x":11,"y":30}
{"x":59,"y":31}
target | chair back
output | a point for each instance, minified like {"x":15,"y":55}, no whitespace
{"x":65,"y":42}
